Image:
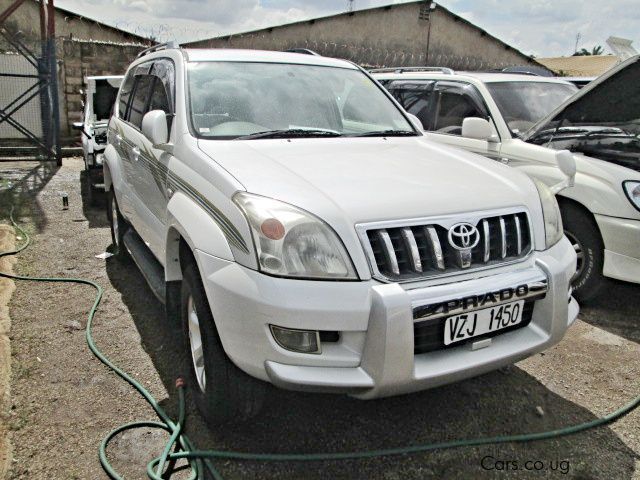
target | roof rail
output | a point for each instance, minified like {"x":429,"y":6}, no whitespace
{"x":304,"y":51}
{"x":444,"y":70}
{"x":159,"y":46}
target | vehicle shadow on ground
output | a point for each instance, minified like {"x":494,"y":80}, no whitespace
{"x":500,"y":403}
{"x":616,"y":311}
{"x":20,"y":182}
{"x":93,"y":204}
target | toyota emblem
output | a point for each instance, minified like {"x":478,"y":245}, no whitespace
{"x":463,"y":236}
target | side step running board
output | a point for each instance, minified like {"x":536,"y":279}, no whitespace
{"x":151,"y":269}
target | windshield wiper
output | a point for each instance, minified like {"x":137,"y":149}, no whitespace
{"x":387,"y":133}
{"x":291,"y":132}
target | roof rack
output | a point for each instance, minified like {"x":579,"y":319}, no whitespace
{"x":304,"y":51}
{"x":444,"y":70}
{"x":159,"y":46}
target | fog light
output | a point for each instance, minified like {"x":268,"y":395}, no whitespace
{"x":303,"y":341}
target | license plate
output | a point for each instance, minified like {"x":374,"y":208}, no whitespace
{"x":479,"y":322}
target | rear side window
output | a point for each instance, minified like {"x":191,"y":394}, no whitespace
{"x":125,"y":95}
{"x":139,"y":102}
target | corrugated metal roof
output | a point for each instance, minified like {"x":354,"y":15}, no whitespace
{"x":580,"y":66}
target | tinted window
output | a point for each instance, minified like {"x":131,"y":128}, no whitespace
{"x":455,"y":102}
{"x":139,"y":102}
{"x":160,"y":100}
{"x":415,"y":97}
{"x":125,"y":94}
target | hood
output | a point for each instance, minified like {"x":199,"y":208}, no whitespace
{"x":611,"y":99}
{"x":372,"y":179}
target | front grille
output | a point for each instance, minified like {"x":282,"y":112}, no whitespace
{"x":429,"y":335}
{"x":403,"y":253}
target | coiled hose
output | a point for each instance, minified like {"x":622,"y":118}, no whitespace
{"x":201,"y":460}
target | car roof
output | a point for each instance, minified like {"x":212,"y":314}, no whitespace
{"x":485,"y":77}
{"x":263,"y":56}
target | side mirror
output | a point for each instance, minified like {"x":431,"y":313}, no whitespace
{"x":415,"y":121}
{"x":567,"y":165}
{"x":155,"y":128}
{"x":476,"y":127}
{"x":78,"y":126}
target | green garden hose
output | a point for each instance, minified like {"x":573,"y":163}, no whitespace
{"x":201,"y":460}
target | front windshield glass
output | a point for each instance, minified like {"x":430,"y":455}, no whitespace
{"x":523,"y":104}
{"x":239,"y":99}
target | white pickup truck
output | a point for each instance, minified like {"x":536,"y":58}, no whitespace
{"x":307,"y":234}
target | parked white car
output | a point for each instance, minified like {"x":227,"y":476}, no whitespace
{"x":522,"y":120}
{"x":99,"y":96}
{"x":306,"y":232}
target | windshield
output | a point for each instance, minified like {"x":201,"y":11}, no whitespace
{"x":253,"y":100}
{"x":523,"y":104}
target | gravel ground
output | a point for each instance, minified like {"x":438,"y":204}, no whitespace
{"x":64,"y":401}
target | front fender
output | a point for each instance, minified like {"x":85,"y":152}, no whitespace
{"x":112,"y":168}
{"x":186,"y":219}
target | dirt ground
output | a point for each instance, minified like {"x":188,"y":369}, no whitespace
{"x":64,"y":401}
{"x":7,"y":287}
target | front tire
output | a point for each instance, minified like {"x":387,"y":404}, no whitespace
{"x":222,"y":392}
{"x":583,"y":233}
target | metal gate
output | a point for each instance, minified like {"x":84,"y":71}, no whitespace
{"x":29,"y":113}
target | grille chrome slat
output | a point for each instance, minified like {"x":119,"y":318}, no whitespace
{"x":435,"y":249}
{"x":487,"y":240}
{"x":503,"y":238}
{"x":414,"y":254}
{"x":518,"y":235}
{"x":389,"y":252}
{"x":408,"y":251}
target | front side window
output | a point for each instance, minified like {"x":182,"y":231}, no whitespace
{"x":237,"y":99}
{"x":455,"y":101}
{"x":415,"y":97}
{"x":139,"y":102}
{"x":523,"y":104}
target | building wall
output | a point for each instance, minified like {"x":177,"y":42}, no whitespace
{"x":80,"y":59}
{"x":27,"y":20}
{"x":396,"y":35}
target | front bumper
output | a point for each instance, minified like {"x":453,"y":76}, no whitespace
{"x":375,"y":354}
{"x":621,"y":247}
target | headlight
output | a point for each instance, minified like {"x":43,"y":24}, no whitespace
{"x":632,"y":189}
{"x":99,"y":158}
{"x":551,"y":213}
{"x":291,"y":242}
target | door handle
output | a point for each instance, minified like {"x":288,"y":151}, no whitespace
{"x":136,"y":153}
{"x":118,"y":138}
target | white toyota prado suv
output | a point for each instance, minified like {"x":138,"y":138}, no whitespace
{"x":307,"y":234}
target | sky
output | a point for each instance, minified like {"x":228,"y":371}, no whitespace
{"x":540,"y":27}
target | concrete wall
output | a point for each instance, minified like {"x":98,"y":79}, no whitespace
{"x":27,"y":20}
{"x":396,"y":35}
{"x":80,"y":59}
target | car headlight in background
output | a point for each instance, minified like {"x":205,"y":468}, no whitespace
{"x":291,"y":242}
{"x":99,"y":158}
{"x":632,"y":189}
{"x":553,"y":230}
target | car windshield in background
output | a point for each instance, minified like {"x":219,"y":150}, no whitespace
{"x":523,"y":104}
{"x":275,"y":100}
